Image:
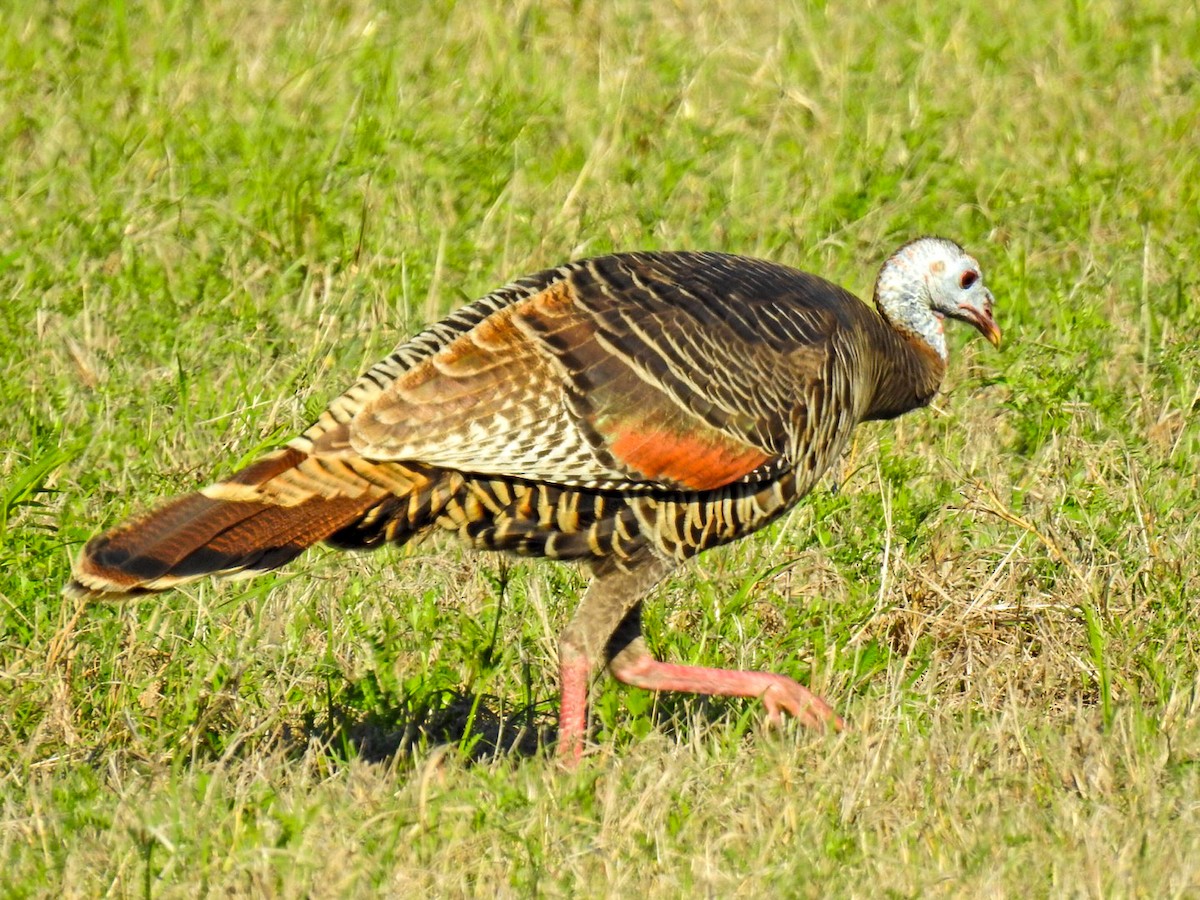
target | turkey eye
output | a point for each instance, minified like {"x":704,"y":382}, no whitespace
{"x":969,"y":277}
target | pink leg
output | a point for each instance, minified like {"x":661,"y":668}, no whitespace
{"x":573,"y":672}
{"x":635,"y":666}
{"x":614,"y":591}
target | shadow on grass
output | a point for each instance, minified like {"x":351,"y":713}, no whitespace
{"x":397,"y":729}
{"x":479,"y":726}
{"x":482,"y":729}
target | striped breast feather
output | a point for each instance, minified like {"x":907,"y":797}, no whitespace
{"x":641,"y":371}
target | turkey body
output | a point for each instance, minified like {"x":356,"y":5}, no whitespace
{"x":628,"y":412}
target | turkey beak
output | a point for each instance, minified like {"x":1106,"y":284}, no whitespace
{"x":981,"y":318}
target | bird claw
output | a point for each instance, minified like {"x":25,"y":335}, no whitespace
{"x":811,"y":711}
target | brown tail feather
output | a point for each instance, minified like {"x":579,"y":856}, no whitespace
{"x":206,"y":533}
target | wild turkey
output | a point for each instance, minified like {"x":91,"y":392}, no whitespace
{"x":627,"y":411}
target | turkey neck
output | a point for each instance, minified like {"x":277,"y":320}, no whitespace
{"x":907,"y":372}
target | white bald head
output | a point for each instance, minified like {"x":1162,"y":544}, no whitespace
{"x":930,"y":279}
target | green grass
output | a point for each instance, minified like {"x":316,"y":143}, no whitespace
{"x":214,"y":216}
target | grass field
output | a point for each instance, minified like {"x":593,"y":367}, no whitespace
{"x":213,"y":216}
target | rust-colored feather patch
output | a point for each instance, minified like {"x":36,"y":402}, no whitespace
{"x":700,"y":460}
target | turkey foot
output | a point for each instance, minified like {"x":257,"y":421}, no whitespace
{"x":779,"y":693}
